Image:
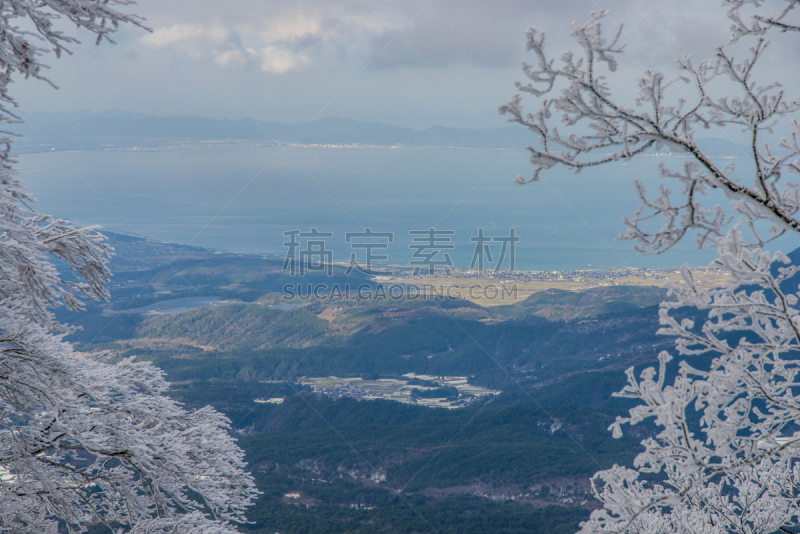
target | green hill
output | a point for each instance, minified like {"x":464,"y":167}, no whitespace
{"x":559,"y":304}
{"x":237,"y":327}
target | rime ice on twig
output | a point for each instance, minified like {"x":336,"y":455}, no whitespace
{"x":83,"y":440}
{"x":725,"y":458}
{"x":618,"y":132}
{"x":759,"y":24}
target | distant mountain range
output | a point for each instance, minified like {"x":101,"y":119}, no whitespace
{"x":119,"y":129}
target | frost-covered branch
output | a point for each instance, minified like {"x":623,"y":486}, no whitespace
{"x":726,"y":455}
{"x":607,"y":131}
{"x":779,"y":18}
{"x":84,"y":440}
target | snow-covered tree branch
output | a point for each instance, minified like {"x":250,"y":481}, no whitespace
{"x":725,"y":458}
{"x":84,"y":440}
{"x":607,"y":131}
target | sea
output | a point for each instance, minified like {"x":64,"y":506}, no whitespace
{"x":425,"y":203}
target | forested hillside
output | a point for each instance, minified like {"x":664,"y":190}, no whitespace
{"x":519,"y":460}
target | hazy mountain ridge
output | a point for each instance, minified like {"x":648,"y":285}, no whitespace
{"x":117,"y":129}
{"x":43,"y":130}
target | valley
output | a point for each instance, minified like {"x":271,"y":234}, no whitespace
{"x":388,"y":415}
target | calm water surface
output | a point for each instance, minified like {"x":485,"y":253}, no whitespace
{"x":243,"y":199}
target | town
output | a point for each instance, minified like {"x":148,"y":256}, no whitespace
{"x":422,"y":390}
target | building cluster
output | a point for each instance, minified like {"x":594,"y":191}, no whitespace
{"x":584,"y":275}
{"x":344,"y":390}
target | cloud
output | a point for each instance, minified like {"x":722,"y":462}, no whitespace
{"x":310,"y":55}
{"x":278,"y":40}
{"x":185,"y":32}
{"x":290,"y":27}
{"x":474,"y":32}
{"x":288,"y":36}
{"x":282,"y":36}
{"x":270,"y":59}
{"x":279,"y":61}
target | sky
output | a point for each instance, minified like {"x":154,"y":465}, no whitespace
{"x":414,"y":63}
